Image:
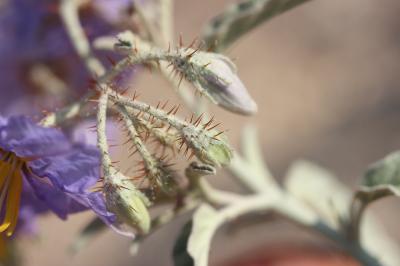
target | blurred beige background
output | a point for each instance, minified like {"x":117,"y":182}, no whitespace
{"x":326,"y":78}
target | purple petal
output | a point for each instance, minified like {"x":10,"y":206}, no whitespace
{"x":73,"y":174}
{"x":23,"y":137}
{"x":73,"y":171}
{"x":59,"y":202}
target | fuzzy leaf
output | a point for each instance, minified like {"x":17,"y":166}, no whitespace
{"x":205,"y":222}
{"x":320,"y":189}
{"x":240,"y":18}
{"x":180,"y":253}
{"x":384,"y":172}
{"x":381,"y":179}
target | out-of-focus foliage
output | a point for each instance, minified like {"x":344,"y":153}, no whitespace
{"x":241,"y":18}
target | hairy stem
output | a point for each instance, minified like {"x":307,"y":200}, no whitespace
{"x":101,"y":135}
{"x":70,"y":18}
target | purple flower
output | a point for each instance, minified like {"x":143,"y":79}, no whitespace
{"x":32,"y":34}
{"x":42,"y":163}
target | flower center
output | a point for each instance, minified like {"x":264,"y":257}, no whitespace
{"x":10,"y":190}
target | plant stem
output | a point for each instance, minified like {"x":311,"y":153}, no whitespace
{"x":296,"y":212}
{"x":101,"y":135}
{"x":70,"y":18}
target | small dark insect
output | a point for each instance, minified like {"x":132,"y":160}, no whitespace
{"x":123,"y":43}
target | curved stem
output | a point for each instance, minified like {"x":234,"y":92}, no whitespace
{"x":297,"y":212}
{"x":70,"y":18}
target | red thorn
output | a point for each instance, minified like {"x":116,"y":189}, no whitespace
{"x":170,"y":111}
{"x":192,"y":53}
{"x":218,"y":134}
{"x":176,"y":109}
{"x":208,"y":123}
{"x":211,"y":128}
{"x":164,"y":105}
{"x":197,"y":122}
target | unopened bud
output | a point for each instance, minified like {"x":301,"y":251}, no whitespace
{"x":127,"y":203}
{"x":215,"y":76}
{"x":207,"y":148}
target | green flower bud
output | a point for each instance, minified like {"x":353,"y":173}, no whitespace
{"x":127,"y":203}
{"x":217,"y":153}
{"x":207,"y":147}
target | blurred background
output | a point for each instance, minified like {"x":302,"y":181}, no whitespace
{"x":326,"y":76}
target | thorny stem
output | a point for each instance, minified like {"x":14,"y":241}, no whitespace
{"x":159,"y":114}
{"x":70,"y":17}
{"x":133,"y":134}
{"x":164,"y":137}
{"x":101,"y":135}
{"x":166,"y":30}
{"x":69,"y":14}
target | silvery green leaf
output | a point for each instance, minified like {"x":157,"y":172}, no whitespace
{"x":320,"y":189}
{"x":383,"y":177}
{"x":91,"y":230}
{"x":240,"y":18}
{"x":205,"y":222}
{"x":180,"y":254}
